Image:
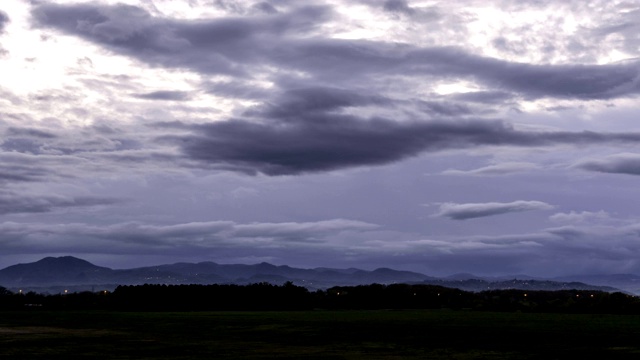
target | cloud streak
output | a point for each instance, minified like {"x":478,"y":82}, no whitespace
{"x":15,"y":203}
{"x":185,"y":237}
{"x":627,"y":163}
{"x":497,"y":169}
{"x":165,"y":95}
{"x":455,"y":211}
{"x":582,"y":217}
{"x":321,"y":141}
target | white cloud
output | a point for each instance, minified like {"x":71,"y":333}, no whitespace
{"x":582,"y":217}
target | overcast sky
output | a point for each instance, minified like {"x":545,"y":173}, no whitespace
{"x":435,"y":136}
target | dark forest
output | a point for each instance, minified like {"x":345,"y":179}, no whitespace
{"x":265,"y":296}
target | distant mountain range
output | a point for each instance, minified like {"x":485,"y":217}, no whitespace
{"x":56,"y":274}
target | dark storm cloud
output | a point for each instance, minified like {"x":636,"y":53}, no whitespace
{"x":616,"y":164}
{"x":476,"y":210}
{"x":165,"y":95}
{"x":311,"y":101}
{"x":308,"y":131}
{"x":334,"y":142}
{"x":241,"y":46}
{"x":331,"y":143}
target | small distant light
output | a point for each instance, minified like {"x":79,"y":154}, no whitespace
{"x":66,"y":291}
{"x":20,"y":291}
{"x":591,"y":295}
{"x":525,"y":295}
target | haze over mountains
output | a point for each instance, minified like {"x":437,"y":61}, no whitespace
{"x":69,"y":273}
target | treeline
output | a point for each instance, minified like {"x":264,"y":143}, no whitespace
{"x":265,"y":296}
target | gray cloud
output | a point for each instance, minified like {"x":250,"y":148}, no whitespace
{"x":265,"y":7}
{"x":300,"y":128}
{"x":535,"y":81}
{"x":400,"y":9}
{"x":307,"y":131}
{"x":331,"y":142}
{"x":563,"y":250}
{"x":349,"y":60}
{"x":11,"y":173}
{"x":4,"y":20}
{"x":23,"y":167}
{"x":243,"y":45}
{"x":582,"y":217}
{"x":215,"y":46}
{"x":491,"y":97}
{"x":165,"y":95}
{"x":29,"y":132}
{"x":399,"y":6}
{"x":310,"y":101}
{"x":627,"y":163}
{"x":625,"y":26}
{"x":14,"y":203}
{"x":22,"y":145}
{"x":444,"y":108}
{"x":236,"y":89}
{"x":476,"y":210}
{"x":187,"y":237}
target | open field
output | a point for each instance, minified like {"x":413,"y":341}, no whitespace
{"x":432,"y":334}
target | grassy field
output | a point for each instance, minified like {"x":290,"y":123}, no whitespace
{"x":424,"y":334}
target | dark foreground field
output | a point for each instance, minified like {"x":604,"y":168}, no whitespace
{"x":424,"y":334}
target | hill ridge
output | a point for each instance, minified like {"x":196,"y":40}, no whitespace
{"x":70,"y":271}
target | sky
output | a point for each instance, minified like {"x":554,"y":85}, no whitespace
{"x":487,"y":137}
